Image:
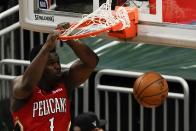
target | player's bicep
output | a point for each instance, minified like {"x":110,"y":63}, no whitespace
{"x":78,"y":74}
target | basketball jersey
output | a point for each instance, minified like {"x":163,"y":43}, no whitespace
{"x":45,"y":111}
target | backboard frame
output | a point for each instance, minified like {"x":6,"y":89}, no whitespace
{"x":166,"y":34}
{"x":46,"y":21}
{"x":150,"y":28}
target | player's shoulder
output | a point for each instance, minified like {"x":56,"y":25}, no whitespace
{"x":17,"y":78}
{"x":16,"y":81}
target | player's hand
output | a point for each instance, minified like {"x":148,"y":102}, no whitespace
{"x":62,"y":27}
{"x":51,"y":40}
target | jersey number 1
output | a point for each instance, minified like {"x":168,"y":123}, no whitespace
{"x":51,"y":124}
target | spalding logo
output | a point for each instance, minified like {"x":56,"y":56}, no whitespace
{"x":44,"y":18}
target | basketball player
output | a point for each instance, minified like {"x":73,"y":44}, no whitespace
{"x":41,"y":95}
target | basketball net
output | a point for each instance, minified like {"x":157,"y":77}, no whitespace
{"x":101,"y":20}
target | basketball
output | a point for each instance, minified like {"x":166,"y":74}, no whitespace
{"x":150,"y":89}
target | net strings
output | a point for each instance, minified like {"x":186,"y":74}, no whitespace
{"x":101,"y":18}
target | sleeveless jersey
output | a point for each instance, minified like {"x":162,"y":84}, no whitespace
{"x":45,"y":111}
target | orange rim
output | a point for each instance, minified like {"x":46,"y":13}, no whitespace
{"x":116,"y":27}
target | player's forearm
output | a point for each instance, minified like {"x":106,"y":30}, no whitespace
{"x":34,"y":71}
{"x":23,"y":85}
{"x":86,"y":55}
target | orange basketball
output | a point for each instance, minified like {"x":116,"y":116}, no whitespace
{"x":150,"y":89}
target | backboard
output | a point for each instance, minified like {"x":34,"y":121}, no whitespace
{"x":168,"y":22}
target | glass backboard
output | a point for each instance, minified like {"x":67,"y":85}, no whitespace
{"x":171,"y":22}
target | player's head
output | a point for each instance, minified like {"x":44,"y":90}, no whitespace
{"x":88,"y":122}
{"x":52,"y":70}
{"x":35,"y":51}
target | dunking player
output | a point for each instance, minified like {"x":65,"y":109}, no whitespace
{"x":41,"y":95}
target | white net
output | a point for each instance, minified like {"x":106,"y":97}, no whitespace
{"x":101,"y":18}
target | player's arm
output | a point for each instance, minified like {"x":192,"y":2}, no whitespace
{"x":84,"y":66}
{"x":23,"y":85}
